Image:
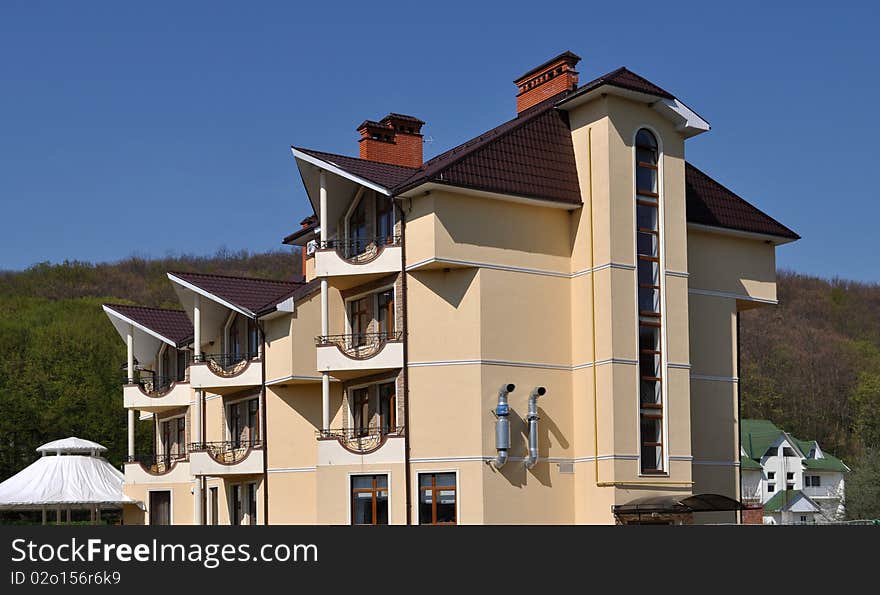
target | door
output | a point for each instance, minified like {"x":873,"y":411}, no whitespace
{"x":160,"y":508}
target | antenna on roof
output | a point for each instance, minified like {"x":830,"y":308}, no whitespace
{"x":428,"y":140}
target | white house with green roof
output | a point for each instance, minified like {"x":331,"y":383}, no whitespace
{"x":795,"y":480}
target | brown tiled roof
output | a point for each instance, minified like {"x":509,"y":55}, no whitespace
{"x":248,"y":293}
{"x":171,"y":324}
{"x":299,"y":233}
{"x":625,"y":79}
{"x":710,"y":203}
{"x":531,"y":156}
{"x":384,"y":174}
{"x":300,"y":292}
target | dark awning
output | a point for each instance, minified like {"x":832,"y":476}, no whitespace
{"x":679,"y":504}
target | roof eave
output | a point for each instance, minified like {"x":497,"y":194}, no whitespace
{"x":776,"y":240}
{"x":111,"y":312}
{"x":213,"y":297}
{"x":686,"y":121}
{"x":333,"y":168}
{"x":429,"y":185}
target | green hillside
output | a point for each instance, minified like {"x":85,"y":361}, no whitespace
{"x":811,"y":364}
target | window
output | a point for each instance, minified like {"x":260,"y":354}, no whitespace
{"x":437,"y":499}
{"x":771,"y":452}
{"x":788,"y":452}
{"x":803,"y":518}
{"x":173,"y":433}
{"x":789,"y":475}
{"x":181,"y":365}
{"x":771,"y":475}
{"x":252,"y":503}
{"x":357,"y":229}
{"x":812,"y":481}
{"x":253,"y":339}
{"x":649,"y":315}
{"x":360,"y":408}
{"x":243,"y":422}
{"x":384,"y":219}
{"x":385,"y":302}
{"x":160,"y":508}
{"x":359,"y":318}
{"x":215,"y":505}
{"x":233,"y":344}
{"x":771,"y":487}
{"x":369,"y":500}
{"x":236,"y":512}
{"x":387,"y":407}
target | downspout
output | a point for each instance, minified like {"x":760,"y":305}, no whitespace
{"x":533,"y":418}
{"x":739,"y":415}
{"x":263,"y":418}
{"x":502,"y":426}
{"x":406,"y":425}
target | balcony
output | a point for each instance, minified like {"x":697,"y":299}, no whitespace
{"x":164,"y":468}
{"x":244,"y":457}
{"x":156,"y":394}
{"x":347,"y":356}
{"x":222,"y":373}
{"x":353,"y":262}
{"x":360,"y":446}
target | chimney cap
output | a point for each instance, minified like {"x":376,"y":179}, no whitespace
{"x":402,"y":118}
{"x":569,"y":57}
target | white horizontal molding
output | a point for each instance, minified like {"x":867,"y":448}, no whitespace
{"x":469,"y":459}
{"x":293,"y":470}
{"x":716,"y":463}
{"x":682,"y":274}
{"x":516,"y":269}
{"x":679,"y":366}
{"x":515,"y":364}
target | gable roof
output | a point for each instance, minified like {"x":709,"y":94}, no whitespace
{"x":171,"y":324}
{"x":303,"y":290}
{"x":757,"y":435}
{"x":783,"y":500}
{"x":532,"y":156}
{"x":247,"y":293}
{"x":826,"y":463}
{"x":710,"y":203}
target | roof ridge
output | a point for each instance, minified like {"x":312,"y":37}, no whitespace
{"x":238,"y":277}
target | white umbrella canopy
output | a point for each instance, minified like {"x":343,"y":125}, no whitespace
{"x":71,"y":445}
{"x":66,"y":481}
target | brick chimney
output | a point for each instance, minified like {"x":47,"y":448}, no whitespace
{"x":550,"y":78}
{"x":395,"y":139}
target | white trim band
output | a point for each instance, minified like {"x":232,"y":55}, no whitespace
{"x":731,"y":296}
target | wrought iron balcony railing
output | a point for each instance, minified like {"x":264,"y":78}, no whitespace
{"x":361,"y":439}
{"x":359,"y":345}
{"x":359,"y":249}
{"x":226,"y":364}
{"x":158,"y":463}
{"x":157,"y":385}
{"x":227,"y":452}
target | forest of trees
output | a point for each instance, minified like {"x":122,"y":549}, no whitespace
{"x":811,"y":364}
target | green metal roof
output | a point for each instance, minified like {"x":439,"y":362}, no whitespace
{"x":827,"y":463}
{"x":757,"y":436}
{"x":781,"y":499}
{"x":749,"y":464}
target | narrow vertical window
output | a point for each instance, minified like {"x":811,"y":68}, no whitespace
{"x":650,"y":323}
{"x":384,"y":220}
{"x":358,"y":313}
{"x":360,"y":408}
{"x":386,"y":313}
{"x":252,"y":503}
{"x":387,"y":408}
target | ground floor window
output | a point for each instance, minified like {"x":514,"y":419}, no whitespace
{"x":160,"y":508}
{"x":369,"y":500}
{"x":437,"y":499}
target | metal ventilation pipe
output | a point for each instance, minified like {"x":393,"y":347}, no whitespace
{"x":502,"y":425}
{"x":533,"y":425}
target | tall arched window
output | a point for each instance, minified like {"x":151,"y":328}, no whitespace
{"x":650,"y":323}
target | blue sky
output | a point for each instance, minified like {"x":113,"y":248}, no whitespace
{"x":121,"y":123}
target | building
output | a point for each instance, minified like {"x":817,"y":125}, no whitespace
{"x":537,"y":326}
{"x":793,"y":480}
